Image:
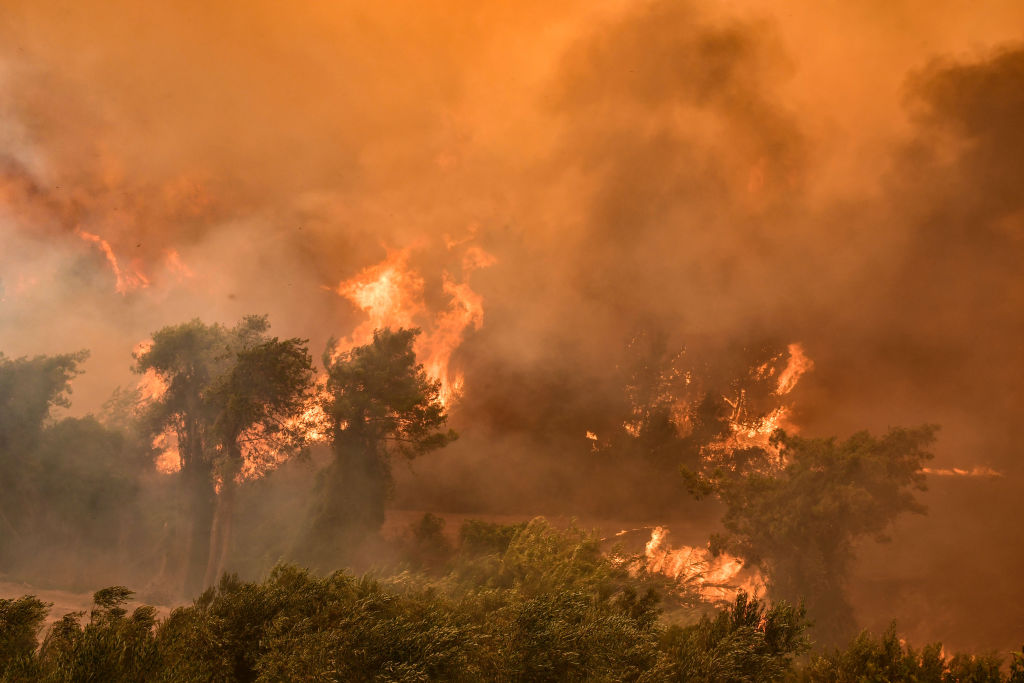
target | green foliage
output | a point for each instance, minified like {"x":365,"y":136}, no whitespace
{"x":29,"y":390}
{"x":887,"y":658}
{"x":536,"y":559}
{"x":426,"y":546}
{"x":381,"y":397}
{"x":223,"y":381}
{"x":381,"y":404}
{"x":479,"y":537}
{"x":20,"y":622}
{"x":229,"y":391}
{"x":749,"y":641}
{"x":256,"y":400}
{"x":545,"y":613}
{"x":800,"y":523}
{"x":111,"y":646}
{"x":67,"y":483}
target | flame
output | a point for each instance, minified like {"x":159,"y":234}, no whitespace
{"x":125,"y":281}
{"x":174,"y":264}
{"x":152,"y":386}
{"x":755,"y":430}
{"x":797,"y":365}
{"x":390,"y":293}
{"x":262,"y":452}
{"x":976,"y":471}
{"x":716,"y":578}
{"x":168,"y":461}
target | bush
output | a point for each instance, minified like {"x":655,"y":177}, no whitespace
{"x":20,"y":621}
{"x":888,"y":658}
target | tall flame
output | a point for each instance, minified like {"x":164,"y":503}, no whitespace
{"x":797,"y":365}
{"x":126,"y":281}
{"x":390,"y":293}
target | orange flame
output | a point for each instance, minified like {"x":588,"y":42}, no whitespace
{"x":391,"y":295}
{"x":755,"y":431}
{"x":168,"y":461}
{"x":716,"y":578}
{"x":976,"y":471}
{"x":125,"y":281}
{"x":151,"y":386}
{"x":174,"y":264}
{"x":262,"y":453}
{"x":797,"y":365}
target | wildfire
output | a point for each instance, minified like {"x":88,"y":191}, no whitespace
{"x":125,"y":281}
{"x":716,"y":578}
{"x":168,"y":461}
{"x":151,"y":386}
{"x":262,"y":452}
{"x":755,"y":430}
{"x":797,"y":365}
{"x":976,"y":471}
{"x":390,"y":293}
{"x":175,"y":265}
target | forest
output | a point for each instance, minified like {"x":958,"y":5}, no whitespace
{"x":611,"y":340}
{"x":496,"y":601}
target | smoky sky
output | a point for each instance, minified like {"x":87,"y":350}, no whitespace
{"x":844,"y":175}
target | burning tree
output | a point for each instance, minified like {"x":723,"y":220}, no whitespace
{"x":232,"y":399}
{"x":380,"y":403}
{"x":799,"y":522}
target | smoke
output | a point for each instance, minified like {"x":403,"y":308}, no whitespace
{"x":842,"y":176}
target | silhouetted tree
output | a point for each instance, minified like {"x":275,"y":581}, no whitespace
{"x":227,"y":389}
{"x":29,"y":390}
{"x":381,"y":403}
{"x":800,"y":522}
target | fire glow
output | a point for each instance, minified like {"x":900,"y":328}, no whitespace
{"x":390,"y":293}
{"x":716,"y":578}
{"x":126,"y":281}
{"x":755,"y":431}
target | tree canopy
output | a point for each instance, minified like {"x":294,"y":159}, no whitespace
{"x":380,"y":403}
{"x":800,"y":522}
{"x":227,"y":394}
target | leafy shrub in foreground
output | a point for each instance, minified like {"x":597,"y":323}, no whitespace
{"x":520,"y":603}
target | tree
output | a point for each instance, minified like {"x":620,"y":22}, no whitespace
{"x":799,"y":523}
{"x":29,"y":390}
{"x":228,"y":392}
{"x":257,"y":403}
{"x":381,"y":403}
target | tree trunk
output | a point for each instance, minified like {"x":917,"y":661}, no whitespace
{"x":220,"y":533}
{"x":351,"y":500}
{"x":220,"y":530}
{"x":199,"y":481}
